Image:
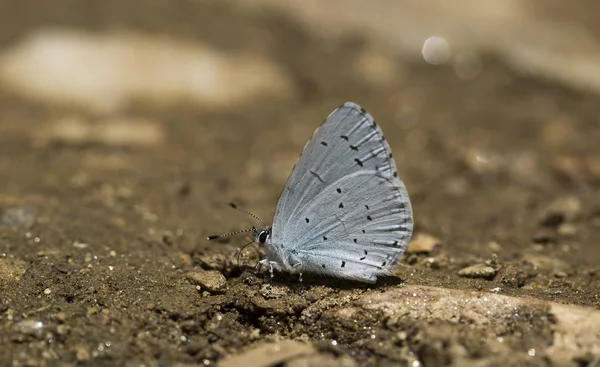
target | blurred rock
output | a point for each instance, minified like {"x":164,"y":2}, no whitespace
{"x":515,"y":274}
{"x":545,"y":236}
{"x":578,"y":167}
{"x":422,"y":243}
{"x":11,"y":270}
{"x":564,"y":209}
{"x":106,"y":72}
{"x":29,"y":327}
{"x":478,"y":271}
{"x":378,"y":68}
{"x":120,"y":132}
{"x":483,"y":162}
{"x":82,"y":353}
{"x":211,"y":280}
{"x":22,"y":217}
{"x":322,"y":360}
{"x":269,"y":354}
{"x":567,"y":230}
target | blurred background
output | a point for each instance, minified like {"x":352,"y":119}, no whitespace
{"x":127,"y":126}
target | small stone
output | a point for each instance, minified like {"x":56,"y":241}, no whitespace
{"x":478,"y":271}
{"x":516,"y":274}
{"x":211,"y":280}
{"x":422,"y":243}
{"x":47,"y":291}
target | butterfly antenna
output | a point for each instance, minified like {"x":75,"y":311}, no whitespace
{"x":214,"y":237}
{"x":234,"y":206}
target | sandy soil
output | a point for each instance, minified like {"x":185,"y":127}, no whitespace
{"x":103,"y":257}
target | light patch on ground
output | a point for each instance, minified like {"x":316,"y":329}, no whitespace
{"x":105,"y":72}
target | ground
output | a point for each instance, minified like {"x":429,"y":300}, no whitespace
{"x":103,"y":251}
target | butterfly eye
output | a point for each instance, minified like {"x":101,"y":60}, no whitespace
{"x":262,"y":238}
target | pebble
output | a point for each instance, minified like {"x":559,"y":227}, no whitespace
{"x":478,"y":271}
{"x":515,"y":274}
{"x":422,"y":243}
{"x":211,"y":280}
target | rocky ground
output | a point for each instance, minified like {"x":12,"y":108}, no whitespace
{"x":127,"y":127}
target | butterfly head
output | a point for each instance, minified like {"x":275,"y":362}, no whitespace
{"x":261,"y":236}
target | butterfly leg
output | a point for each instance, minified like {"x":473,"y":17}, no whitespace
{"x":271,"y":264}
{"x":296,"y":266}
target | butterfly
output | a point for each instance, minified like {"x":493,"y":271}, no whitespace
{"x":343,"y":211}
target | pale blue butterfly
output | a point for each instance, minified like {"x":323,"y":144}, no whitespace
{"x":343,"y":211}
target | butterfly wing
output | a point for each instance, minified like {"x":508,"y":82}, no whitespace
{"x":343,"y":211}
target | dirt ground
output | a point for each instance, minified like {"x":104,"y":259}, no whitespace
{"x":103,"y":252}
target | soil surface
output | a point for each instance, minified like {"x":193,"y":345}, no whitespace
{"x":103,"y":252}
